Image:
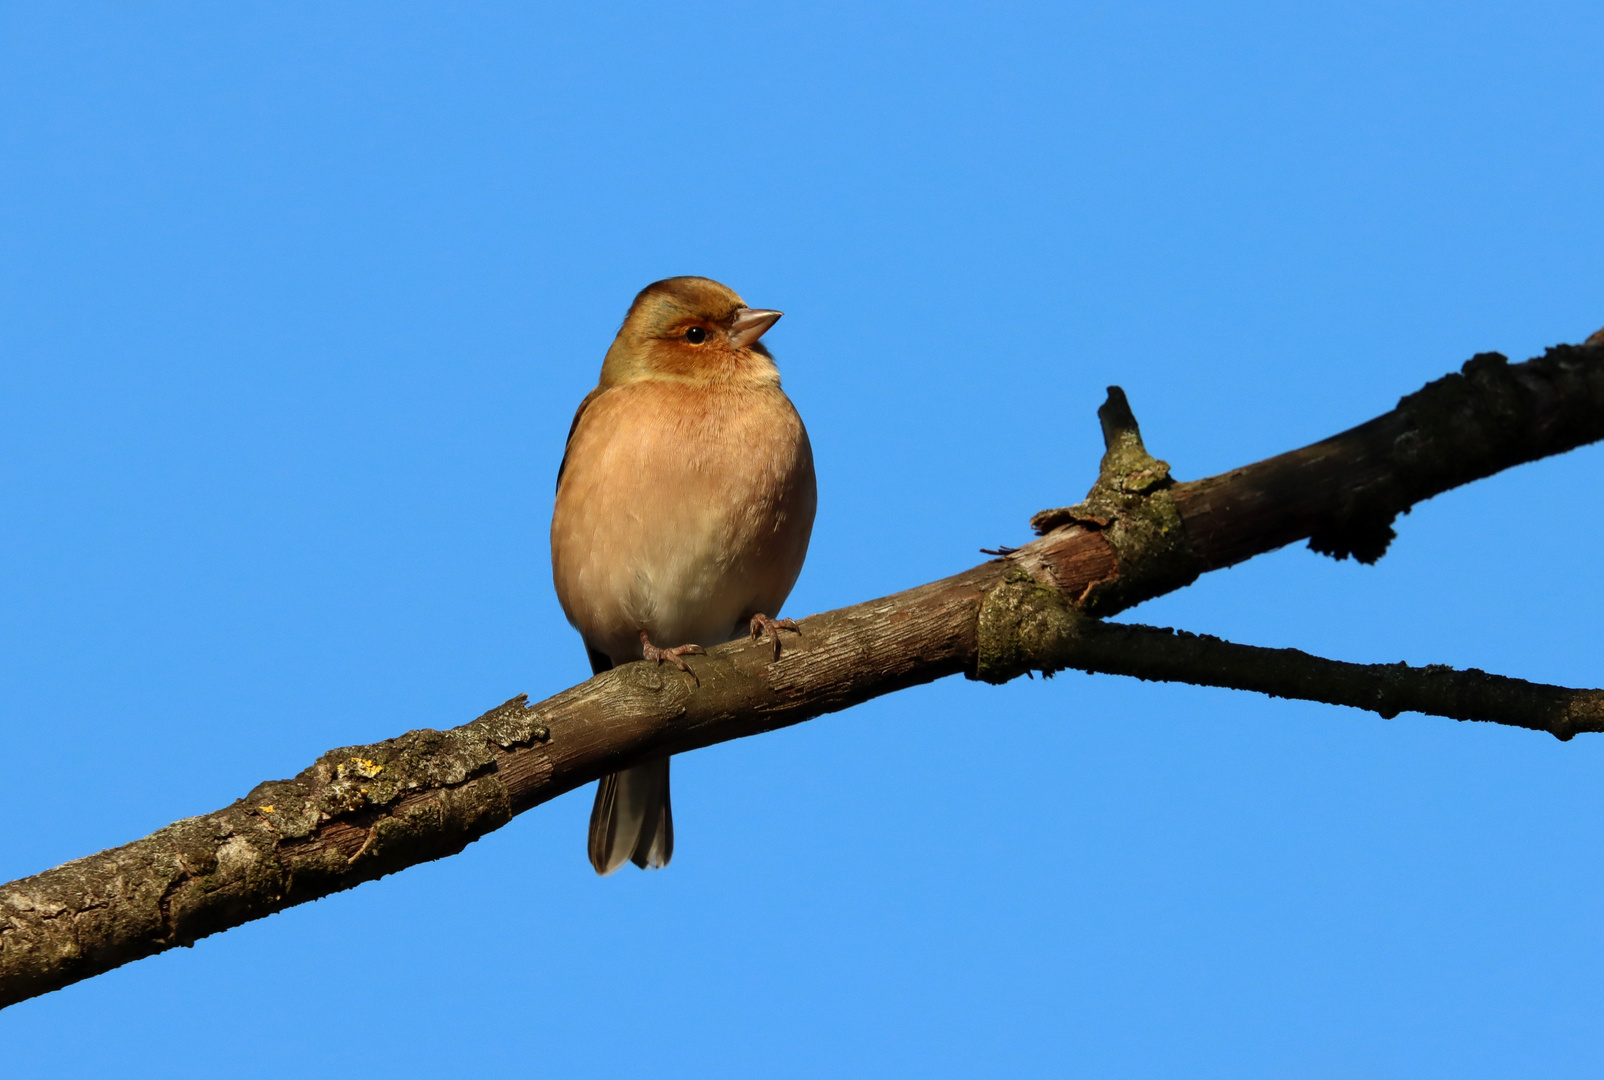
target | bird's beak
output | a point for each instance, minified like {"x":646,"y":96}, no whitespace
{"x":750,"y":324}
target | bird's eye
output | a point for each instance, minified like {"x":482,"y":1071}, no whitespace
{"x":696,"y":335}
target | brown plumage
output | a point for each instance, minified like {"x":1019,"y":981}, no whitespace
{"x":684,"y":505}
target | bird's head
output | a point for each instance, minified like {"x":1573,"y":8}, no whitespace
{"x":691,"y":329}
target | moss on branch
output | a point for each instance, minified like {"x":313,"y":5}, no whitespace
{"x":363,"y":811}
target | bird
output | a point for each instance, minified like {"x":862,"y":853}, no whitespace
{"x":685,"y":503}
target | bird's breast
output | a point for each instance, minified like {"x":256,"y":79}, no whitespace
{"x":682,"y":510}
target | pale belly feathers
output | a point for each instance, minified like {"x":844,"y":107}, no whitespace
{"x":682,"y":511}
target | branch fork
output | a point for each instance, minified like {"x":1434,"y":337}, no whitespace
{"x":1131,"y":506}
{"x":361,"y":812}
{"x":1027,"y":624}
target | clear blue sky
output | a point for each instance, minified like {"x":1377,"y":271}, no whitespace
{"x":296,"y":302}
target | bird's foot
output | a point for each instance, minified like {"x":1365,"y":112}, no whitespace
{"x":649,"y":651}
{"x":762,"y":624}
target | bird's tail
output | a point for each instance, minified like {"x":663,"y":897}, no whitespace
{"x":632,"y":819}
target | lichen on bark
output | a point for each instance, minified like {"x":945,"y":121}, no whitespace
{"x":1021,"y":623}
{"x":1463,"y":426}
{"x":1130,"y":504}
{"x":363,"y":811}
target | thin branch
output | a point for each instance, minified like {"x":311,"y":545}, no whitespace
{"x":1156,"y":654}
{"x":1024,"y":627}
{"x":361,"y":812}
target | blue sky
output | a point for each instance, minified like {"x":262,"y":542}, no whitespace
{"x":296,"y":303}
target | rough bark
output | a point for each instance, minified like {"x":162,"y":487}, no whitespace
{"x":1026,"y":627}
{"x":1342,"y":493}
{"x":361,"y":812}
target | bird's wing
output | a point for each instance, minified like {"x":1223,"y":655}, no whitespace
{"x":583,"y":405}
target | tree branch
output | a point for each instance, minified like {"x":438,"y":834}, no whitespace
{"x":1025,"y":627}
{"x":361,"y":812}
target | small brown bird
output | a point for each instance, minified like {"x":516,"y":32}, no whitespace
{"x":685,"y":502}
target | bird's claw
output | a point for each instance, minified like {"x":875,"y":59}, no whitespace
{"x":649,"y":651}
{"x":763,"y":624}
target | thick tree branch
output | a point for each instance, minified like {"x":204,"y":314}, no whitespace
{"x":1343,"y":493}
{"x":361,"y":812}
